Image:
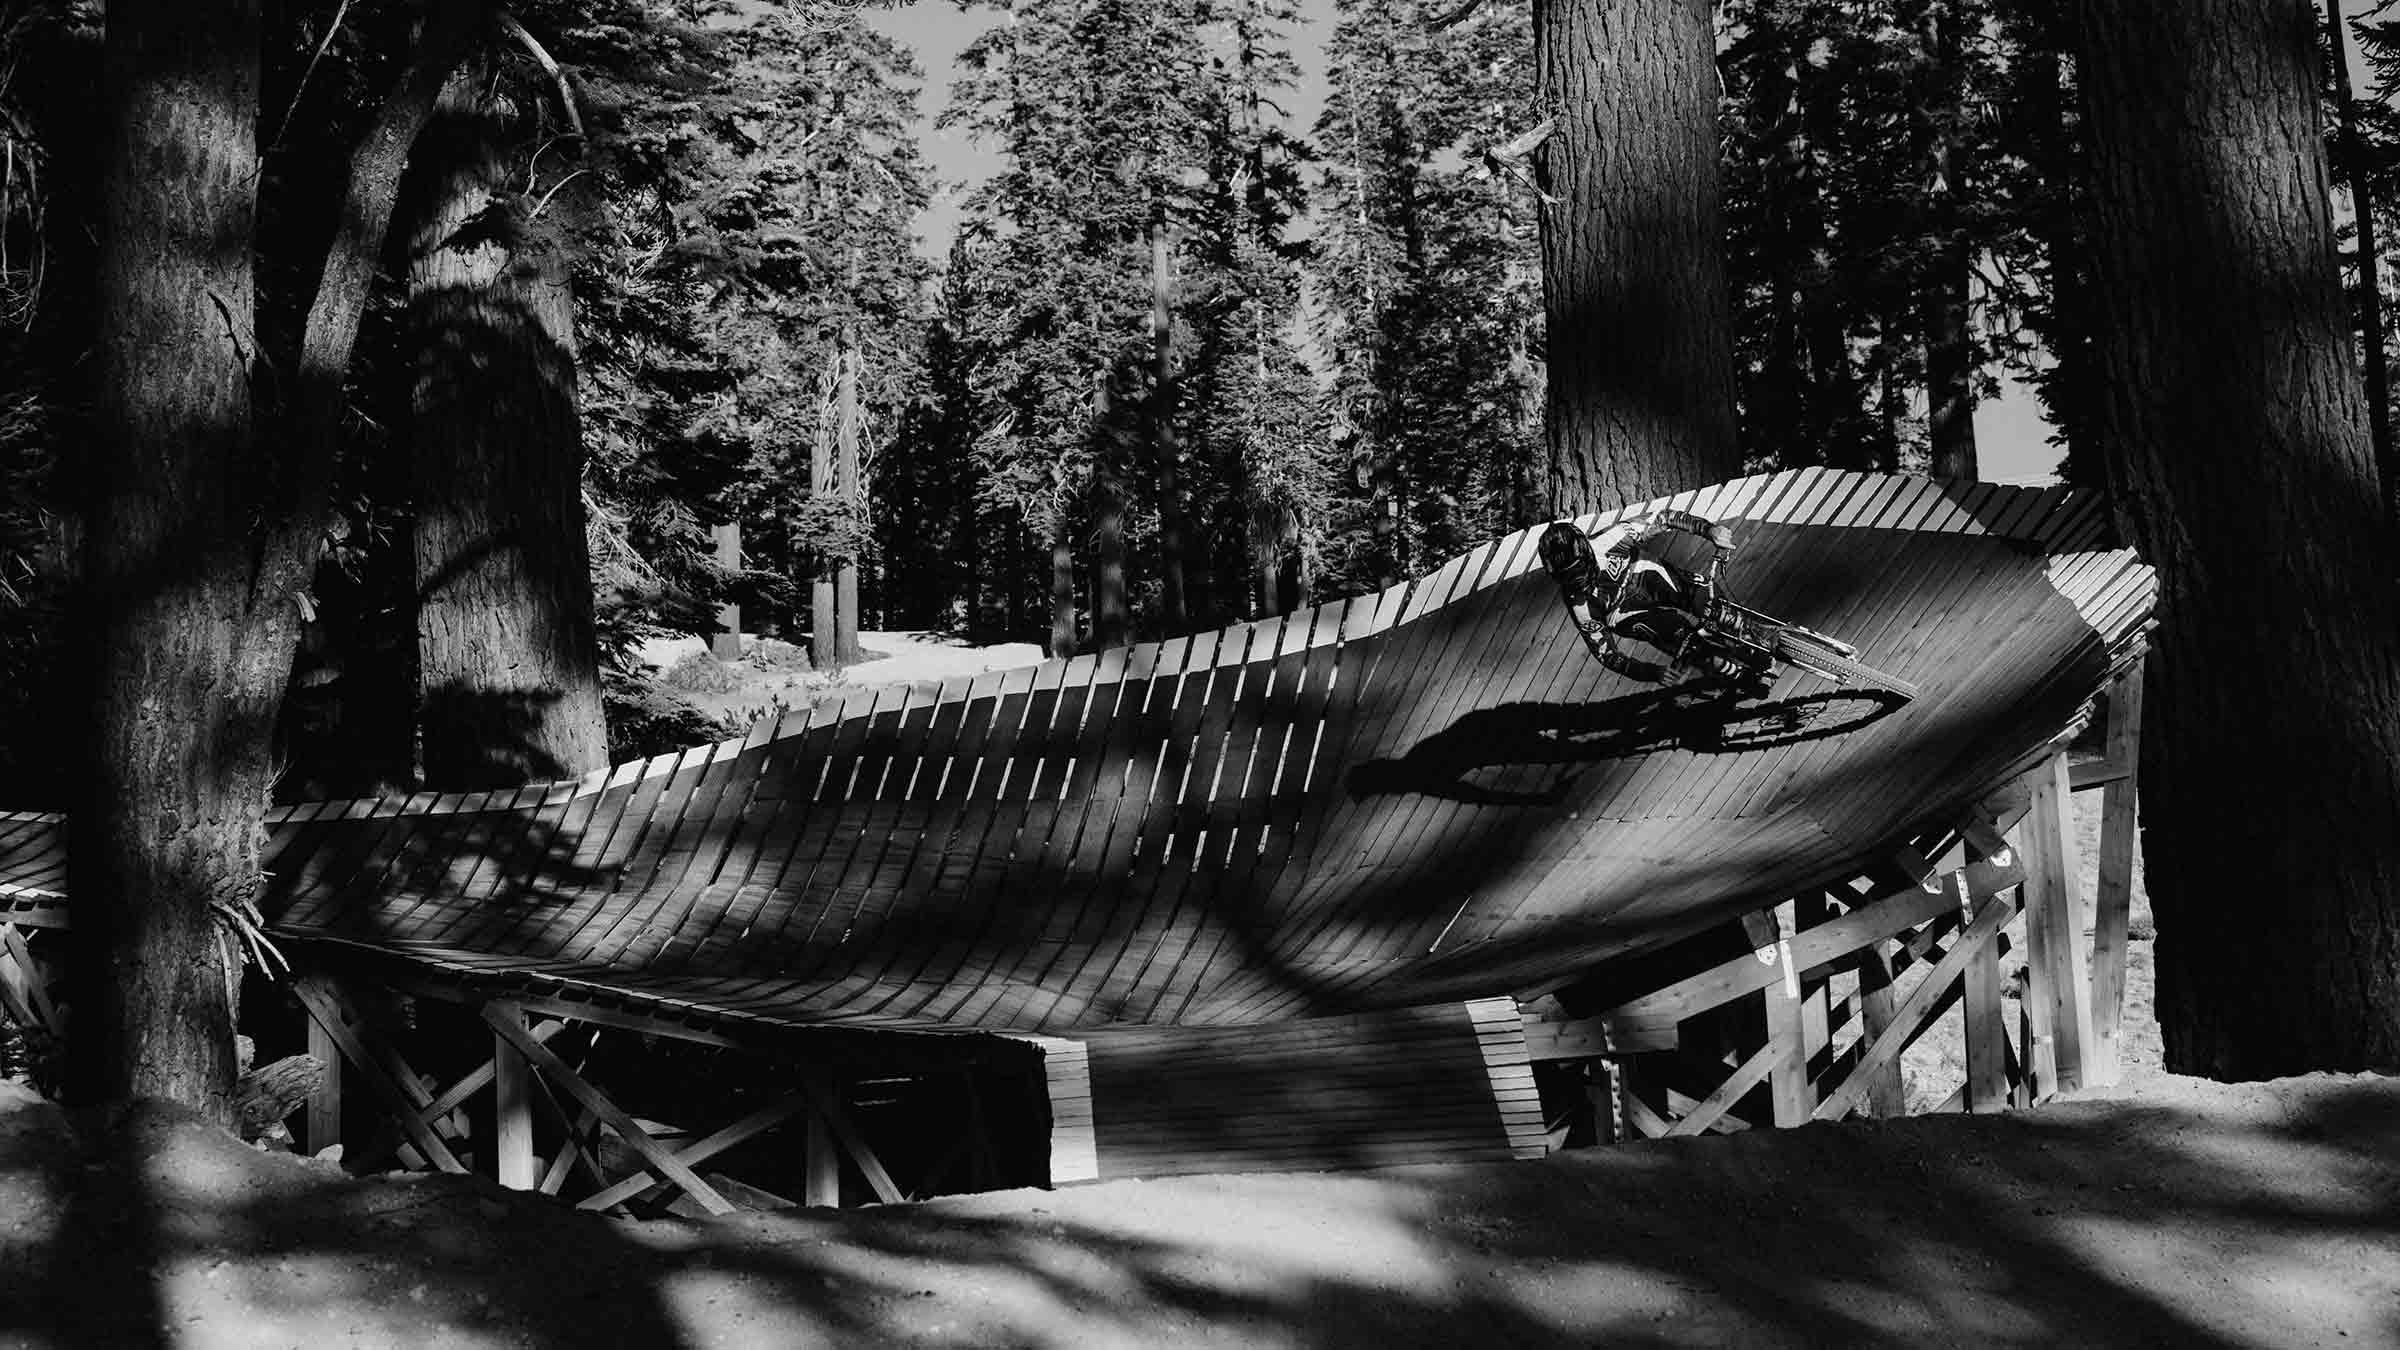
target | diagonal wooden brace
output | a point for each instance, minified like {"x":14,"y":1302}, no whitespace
{"x":507,"y":1021}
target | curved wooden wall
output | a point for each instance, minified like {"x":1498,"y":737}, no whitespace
{"x":1429,"y":795}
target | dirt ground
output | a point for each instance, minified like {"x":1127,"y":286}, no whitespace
{"x":2173,"y":1213}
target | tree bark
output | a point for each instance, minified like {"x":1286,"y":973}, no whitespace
{"x":2233,"y":418}
{"x":508,"y":660}
{"x":187,"y":658}
{"x":1062,"y":586}
{"x":1942,"y":293}
{"x":1633,"y":252}
{"x":1166,"y":450}
{"x":1112,"y":614}
{"x":853,"y":493}
{"x":726,"y":643}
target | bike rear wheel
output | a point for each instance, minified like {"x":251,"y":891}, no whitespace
{"x":1811,"y":653}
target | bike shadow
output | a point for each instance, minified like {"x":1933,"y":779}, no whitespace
{"x":1474,"y":758}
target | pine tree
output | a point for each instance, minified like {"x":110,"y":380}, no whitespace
{"x":2278,"y":894}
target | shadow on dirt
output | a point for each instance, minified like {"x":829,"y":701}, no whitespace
{"x":2214,"y":1216}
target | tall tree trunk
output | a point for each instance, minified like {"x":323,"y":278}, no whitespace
{"x":2057,"y":154}
{"x":726,"y":643}
{"x":1949,"y":365}
{"x":853,"y":494}
{"x":1062,"y":584}
{"x":1166,"y":449}
{"x":1112,"y":615}
{"x":2229,"y":406}
{"x":824,"y":623}
{"x":1942,"y":294}
{"x":2370,"y":271}
{"x":508,"y":660}
{"x":1633,"y":252}
{"x":186,"y":675}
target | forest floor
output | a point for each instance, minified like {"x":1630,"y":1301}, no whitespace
{"x":2167,"y":1211}
{"x":2170,"y":1213}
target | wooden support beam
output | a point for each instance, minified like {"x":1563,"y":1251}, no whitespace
{"x":512,"y":1105}
{"x":693,"y":1154}
{"x":1919,"y":1005}
{"x":828,"y":1106}
{"x":324,"y":1119}
{"x":1648,"y":1022}
{"x":823,"y":1188}
{"x":30,"y":986}
{"x":2059,"y":981}
{"x":1640,"y":1120}
{"x":653,"y":1153}
{"x":456,"y":1095}
{"x":2112,"y":906}
{"x":1754,"y":1070}
{"x":400,"y":1098}
{"x":1787,"y":1077}
{"x":1986,"y":1088}
{"x":1876,"y":1005}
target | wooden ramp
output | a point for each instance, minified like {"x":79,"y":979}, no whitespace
{"x":1423,"y":797}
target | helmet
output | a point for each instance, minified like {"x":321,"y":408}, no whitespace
{"x":1567,"y":556}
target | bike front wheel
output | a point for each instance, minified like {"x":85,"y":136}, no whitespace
{"x":1817,"y":656}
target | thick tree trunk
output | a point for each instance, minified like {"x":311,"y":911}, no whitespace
{"x":508,"y":661}
{"x":2235,"y":425}
{"x":185,"y":672}
{"x":1633,"y":252}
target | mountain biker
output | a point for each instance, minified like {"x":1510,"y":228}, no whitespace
{"x":1612,"y":590}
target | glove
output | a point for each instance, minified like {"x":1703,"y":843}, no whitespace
{"x":1721,"y":537}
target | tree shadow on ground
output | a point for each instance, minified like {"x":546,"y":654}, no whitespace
{"x":2213,"y":1216}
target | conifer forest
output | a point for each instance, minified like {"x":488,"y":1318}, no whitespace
{"x":493,"y":340}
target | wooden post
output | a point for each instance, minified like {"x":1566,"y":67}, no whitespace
{"x":2112,"y":910}
{"x":1787,"y":1081}
{"x":1986,"y":1032}
{"x":512,"y":1113}
{"x":824,"y":1181}
{"x":2058,"y":999}
{"x":324,"y":1120}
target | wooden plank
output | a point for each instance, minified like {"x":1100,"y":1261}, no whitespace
{"x":636,"y":1138}
{"x":823,"y":1187}
{"x":2112,"y":909}
{"x":1989,"y":920}
{"x":1777,"y":1053}
{"x":1788,"y":1087}
{"x":512,"y":1134}
{"x":1886,"y":1097}
{"x":324,"y":1120}
{"x":826,"y":1105}
{"x":400,"y":1098}
{"x":699,"y":1151}
{"x":2060,"y":992}
{"x":1986,"y":1032}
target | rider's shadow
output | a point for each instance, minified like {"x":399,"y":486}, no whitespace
{"x":1473,"y":759}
